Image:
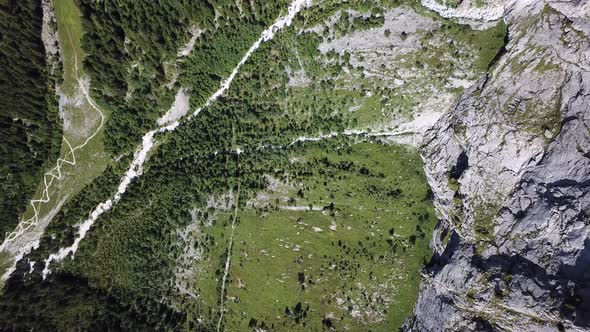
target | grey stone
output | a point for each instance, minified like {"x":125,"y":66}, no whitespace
{"x":518,"y":257}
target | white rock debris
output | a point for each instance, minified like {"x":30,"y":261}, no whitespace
{"x":179,"y":108}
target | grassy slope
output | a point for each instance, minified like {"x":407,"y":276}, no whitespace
{"x":69,"y":27}
{"x":271,"y":247}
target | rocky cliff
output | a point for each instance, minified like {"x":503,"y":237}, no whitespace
{"x":509,"y":165}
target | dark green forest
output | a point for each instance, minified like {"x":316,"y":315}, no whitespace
{"x":67,"y":302}
{"x":29,"y":126}
{"x":130,"y":43}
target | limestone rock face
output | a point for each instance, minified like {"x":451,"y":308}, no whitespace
{"x":509,"y":165}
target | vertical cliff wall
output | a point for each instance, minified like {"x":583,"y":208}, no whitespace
{"x":510,"y":169}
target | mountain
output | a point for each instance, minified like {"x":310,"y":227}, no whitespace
{"x":295,"y":165}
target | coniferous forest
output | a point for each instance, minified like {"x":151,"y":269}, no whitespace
{"x":29,"y":123}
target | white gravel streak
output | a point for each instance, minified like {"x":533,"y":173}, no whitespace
{"x":301,"y":208}
{"x":188,"y":48}
{"x":179,"y":108}
{"x":415,"y":128}
{"x":313,"y":139}
{"x":492,"y":12}
{"x":140,"y":156}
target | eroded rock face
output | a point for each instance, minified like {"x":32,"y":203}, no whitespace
{"x":510,"y":169}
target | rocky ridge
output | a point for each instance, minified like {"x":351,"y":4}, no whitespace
{"x":509,"y":165}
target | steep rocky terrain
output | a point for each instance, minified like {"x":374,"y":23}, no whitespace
{"x":510,"y":168}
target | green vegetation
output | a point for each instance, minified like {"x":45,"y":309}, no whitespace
{"x":486,"y":43}
{"x":480,"y":3}
{"x":29,"y":129}
{"x":130,"y":44}
{"x":69,"y":29}
{"x":372,"y":88}
{"x":451,"y":3}
{"x":374,"y":237}
{"x":460,"y":130}
{"x":454,"y":184}
{"x":484,"y":225}
{"x":347,"y":24}
{"x":158,"y":257}
{"x":78,"y":305}
{"x":543,"y":66}
{"x":5,"y":263}
{"x":127,"y":43}
{"x":214,"y":58}
{"x":471,"y":294}
{"x":539,"y":117}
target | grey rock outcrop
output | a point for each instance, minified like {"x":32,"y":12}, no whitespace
{"x":510,"y":169}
